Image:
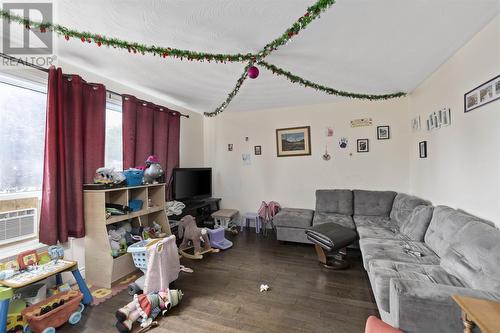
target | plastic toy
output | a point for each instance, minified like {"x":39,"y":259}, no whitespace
{"x":27,"y":258}
{"x":56,"y":252}
{"x":191,"y":234}
{"x":46,"y":316}
{"x":218,"y":240}
{"x":153,"y":172}
{"x":108,"y":176}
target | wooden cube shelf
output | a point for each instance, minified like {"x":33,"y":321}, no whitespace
{"x":101,"y":269}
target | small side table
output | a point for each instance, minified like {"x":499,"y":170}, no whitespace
{"x":483,"y":313}
{"x":224,"y":218}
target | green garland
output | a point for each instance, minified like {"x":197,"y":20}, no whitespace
{"x":233,"y":93}
{"x":301,"y":23}
{"x":306,"y":83}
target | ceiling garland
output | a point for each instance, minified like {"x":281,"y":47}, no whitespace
{"x":301,"y":23}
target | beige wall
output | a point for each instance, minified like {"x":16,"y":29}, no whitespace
{"x":292,"y":180}
{"x":463,"y":165}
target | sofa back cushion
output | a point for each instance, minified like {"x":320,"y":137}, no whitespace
{"x":403,"y":206}
{"x":445,"y":224}
{"x":416,"y":225}
{"x":334,"y":201}
{"x":373,"y":203}
{"x":475,"y":256}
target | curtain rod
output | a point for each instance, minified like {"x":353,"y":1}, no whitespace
{"x":46,"y":70}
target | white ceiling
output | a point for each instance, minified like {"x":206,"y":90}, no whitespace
{"x":364,"y":46}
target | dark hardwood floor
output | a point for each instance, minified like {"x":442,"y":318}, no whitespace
{"x":222,"y":295}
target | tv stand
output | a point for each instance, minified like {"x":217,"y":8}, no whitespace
{"x":201,"y":210}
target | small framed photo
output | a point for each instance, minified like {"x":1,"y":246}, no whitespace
{"x":415,"y":123}
{"x":362,"y":146}
{"x":483,"y":94}
{"x":422,"y":149}
{"x":230,"y":147}
{"x":257,"y":150}
{"x":383,"y":132}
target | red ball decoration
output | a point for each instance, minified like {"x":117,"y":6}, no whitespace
{"x":66,"y":37}
{"x":83,"y":39}
{"x":253,"y":72}
{"x":99,"y":44}
{"x":43,"y":29}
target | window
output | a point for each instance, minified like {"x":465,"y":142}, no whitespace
{"x":113,"y":150}
{"x":22,"y":135}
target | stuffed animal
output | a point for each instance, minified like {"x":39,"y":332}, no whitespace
{"x":146,"y":308}
{"x":189,"y":231}
{"x":118,"y":240}
{"x":153,"y":172}
{"x":108,"y":176}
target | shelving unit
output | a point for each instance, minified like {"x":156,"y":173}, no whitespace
{"x":101,"y":269}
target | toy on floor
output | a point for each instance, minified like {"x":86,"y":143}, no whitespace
{"x":264,"y":287}
{"x":190,"y":233}
{"x":153,"y":172}
{"x":47,"y":315}
{"x":218,"y":240}
{"x":145,"y":308}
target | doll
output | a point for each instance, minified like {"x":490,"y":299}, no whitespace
{"x":146,"y":307}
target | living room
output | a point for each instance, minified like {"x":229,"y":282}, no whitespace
{"x":337,"y":158}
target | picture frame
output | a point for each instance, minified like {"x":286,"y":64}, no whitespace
{"x":362,"y":146}
{"x":482,"y":94}
{"x":229,"y":147}
{"x":383,"y":132}
{"x":416,"y":124}
{"x":422,"y":149}
{"x":257,"y":150}
{"x":293,"y":141}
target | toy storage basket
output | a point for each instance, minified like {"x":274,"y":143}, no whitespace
{"x":54,"y":318}
{"x":139,"y":252}
{"x":134,"y":177}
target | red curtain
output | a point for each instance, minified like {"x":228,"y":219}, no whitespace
{"x":150,"y":129}
{"x":74,"y":149}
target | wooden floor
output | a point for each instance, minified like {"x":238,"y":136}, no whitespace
{"x":222,"y":295}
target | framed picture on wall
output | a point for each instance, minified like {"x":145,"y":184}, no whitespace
{"x":257,"y":150}
{"x":293,"y":141}
{"x":362,"y":146}
{"x":383,"y":133}
{"x":483,"y":94}
{"x":422,"y":149}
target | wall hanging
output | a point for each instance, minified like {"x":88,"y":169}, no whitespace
{"x":483,"y":94}
{"x":361,"y":122}
{"x":383,"y":133}
{"x":422,"y":149}
{"x":326,"y":156}
{"x":230,"y":147}
{"x":293,"y":141}
{"x":438,"y":119}
{"x":343,"y":142}
{"x":362,"y":146}
{"x":415,"y":124}
{"x":257,"y":150}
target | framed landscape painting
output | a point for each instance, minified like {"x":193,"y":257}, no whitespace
{"x":293,"y":141}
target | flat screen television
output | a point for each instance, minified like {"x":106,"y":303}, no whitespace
{"x":192,"y":183}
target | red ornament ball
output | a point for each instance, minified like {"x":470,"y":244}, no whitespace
{"x":43,"y":29}
{"x":253,"y":72}
{"x":66,"y":37}
{"x":99,"y":44}
{"x":83,"y":39}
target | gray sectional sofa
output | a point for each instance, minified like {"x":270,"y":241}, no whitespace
{"x":417,"y":256}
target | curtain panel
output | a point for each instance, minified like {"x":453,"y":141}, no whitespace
{"x":74,"y":149}
{"x":150,"y":129}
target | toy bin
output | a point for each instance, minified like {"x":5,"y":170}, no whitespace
{"x":70,"y":310}
{"x":139,"y":252}
{"x":134,"y":177}
{"x":135,"y":205}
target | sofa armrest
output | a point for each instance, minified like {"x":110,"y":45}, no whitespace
{"x":420,"y":306}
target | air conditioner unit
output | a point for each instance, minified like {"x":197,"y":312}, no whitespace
{"x":17,"y":225}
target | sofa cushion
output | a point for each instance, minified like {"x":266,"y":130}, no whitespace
{"x":445,"y":223}
{"x":343,"y":220}
{"x":373,"y":221}
{"x":377,"y":232}
{"x":382,"y":271}
{"x":373,"y":203}
{"x":294,"y":218}
{"x":474,"y":257}
{"x":392,"y":249}
{"x":403,"y":206}
{"x":416,"y":226}
{"x":334,"y":201}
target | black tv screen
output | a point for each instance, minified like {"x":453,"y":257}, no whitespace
{"x":191,"y":183}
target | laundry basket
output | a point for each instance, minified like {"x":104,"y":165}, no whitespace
{"x":139,"y":253}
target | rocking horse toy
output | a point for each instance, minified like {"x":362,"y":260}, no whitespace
{"x":191,"y":239}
